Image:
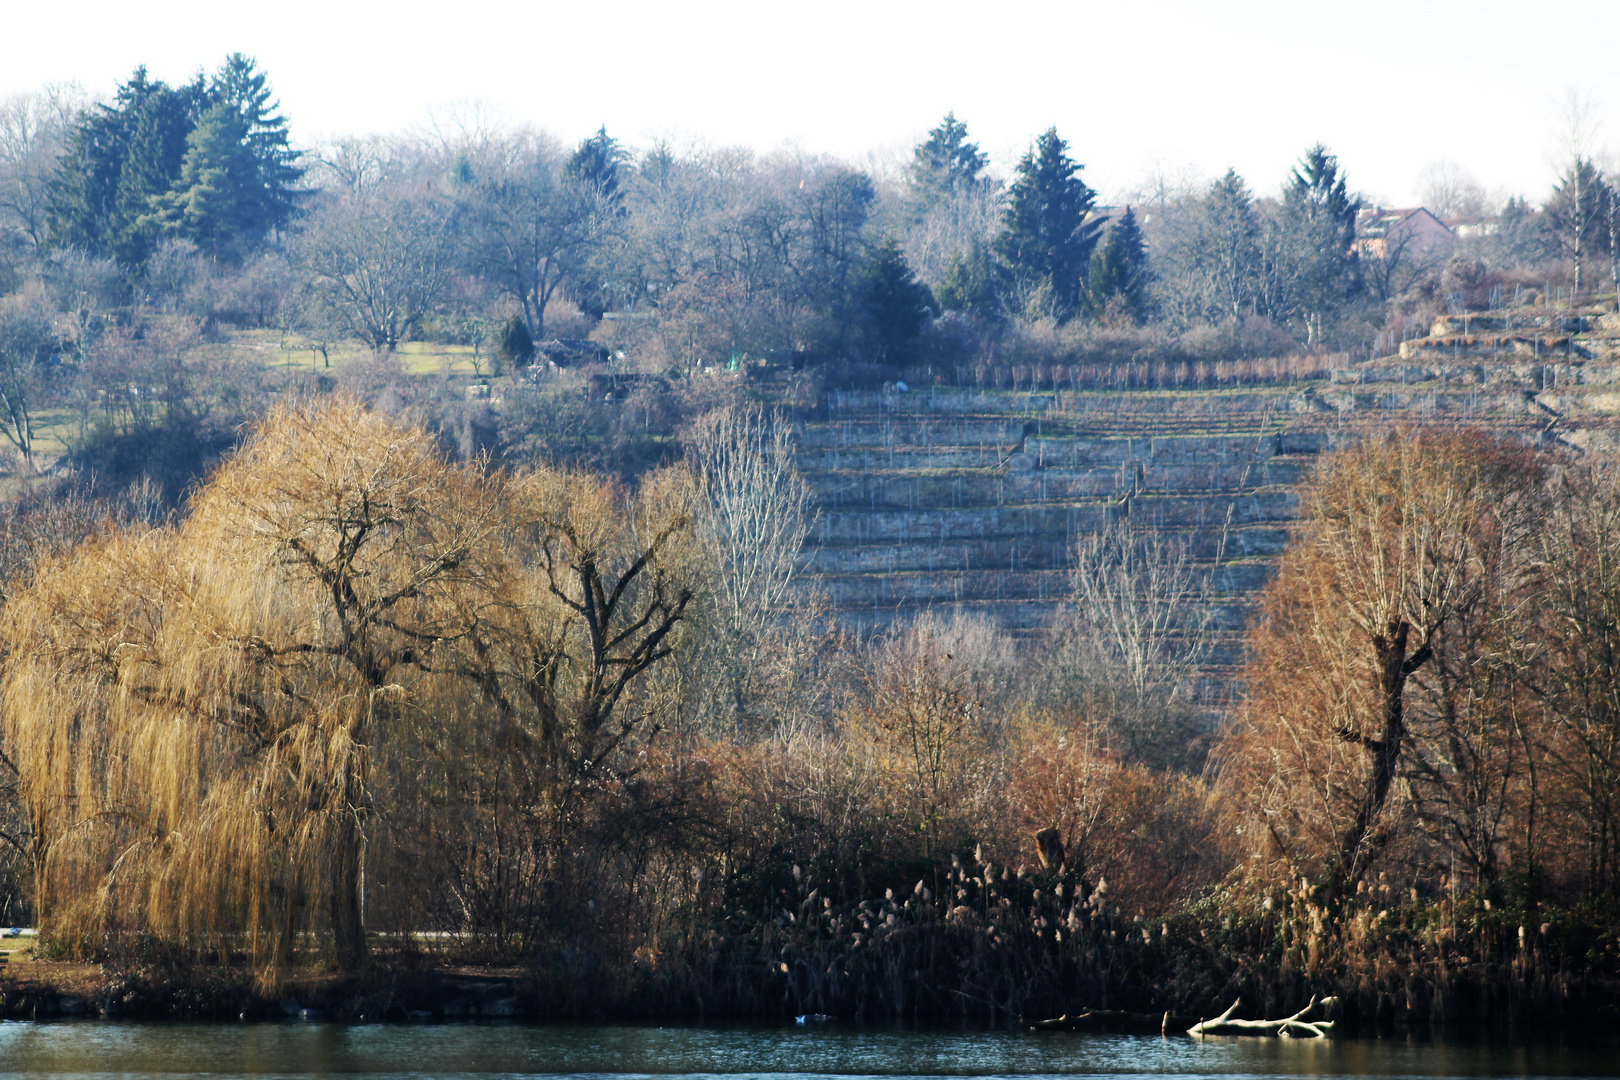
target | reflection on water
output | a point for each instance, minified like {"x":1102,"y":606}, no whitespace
{"x":293,"y":1050}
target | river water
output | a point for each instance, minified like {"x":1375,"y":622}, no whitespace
{"x":112,"y":1049}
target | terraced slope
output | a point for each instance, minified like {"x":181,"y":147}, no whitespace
{"x":966,"y":501}
{"x":1555,"y":372}
{"x":956,"y":500}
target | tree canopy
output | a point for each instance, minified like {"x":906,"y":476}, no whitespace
{"x":943,"y":165}
{"x":208,"y":161}
{"x":1048,"y":236}
{"x":1116,"y":285}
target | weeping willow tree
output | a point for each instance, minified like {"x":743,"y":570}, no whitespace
{"x":195,"y":711}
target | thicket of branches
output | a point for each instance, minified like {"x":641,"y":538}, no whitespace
{"x":362,"y":688}
{"x":506,"y":670}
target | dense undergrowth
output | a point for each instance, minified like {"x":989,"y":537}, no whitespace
{"x":366,"y":709}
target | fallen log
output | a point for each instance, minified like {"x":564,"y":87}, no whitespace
{"x":1288,"y":1027}
{"x":1113,"y":1021}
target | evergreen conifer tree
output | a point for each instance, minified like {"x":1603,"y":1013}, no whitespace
{"x":1523,"y":236}
{"x":152,"y":163}
{"x":596,"y":164}
{"x":275,"y":193}
{"x":943,"y":165}
{"x":1046,"y":239}
{"x":515,"y":345}
{"x":83,"y":204}
{"x":216,"y":201}
{"x":1118,"y":278}
{"x":125,"y":175}
{"x":1226,"y":248}
{"x":1320,"y":226}
{"x":971,"y":284}
{"x":894,"y":303}
{"x":1578,"y":216}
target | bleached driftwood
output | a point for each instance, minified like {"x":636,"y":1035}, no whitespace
{"x":1288,"y":1027}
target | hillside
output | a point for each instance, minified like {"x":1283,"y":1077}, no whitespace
{"x":970,"y":500}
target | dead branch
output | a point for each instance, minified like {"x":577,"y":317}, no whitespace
{"x":1288,"y":1027}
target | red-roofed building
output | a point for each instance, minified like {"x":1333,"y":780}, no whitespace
{"x":1383,"y":231}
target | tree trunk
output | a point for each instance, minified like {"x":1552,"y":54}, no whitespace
{"x":1580,"y":228}
{"x":348,"y":927}
{"x":1363,"y":839}
{"x":1614,"y":243}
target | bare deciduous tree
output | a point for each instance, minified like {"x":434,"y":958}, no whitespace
{"x":757,"y":512}
{"x":26,"y":337}
{"x":380,"y":259}
{"x":1448,"y":191}
{"x":926,"y":709}
{"x":1132,"y":635}
{"x":237,"y":670}
{"x":1580,"y":550}
{"x":33,"y":131}
{"x":537,"y":228}
{"x":1399,"y":540}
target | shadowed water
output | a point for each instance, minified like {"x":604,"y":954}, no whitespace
{"x":89,"y":1049}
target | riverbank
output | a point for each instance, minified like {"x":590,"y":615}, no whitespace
{"x":48,"y":989}
{"x":1453,"y":965}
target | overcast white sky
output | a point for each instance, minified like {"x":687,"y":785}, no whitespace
{"x":1389,"y":86}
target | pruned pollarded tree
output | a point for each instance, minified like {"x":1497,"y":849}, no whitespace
{"x":1400,"y":536}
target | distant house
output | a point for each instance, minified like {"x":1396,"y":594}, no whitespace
{"x":1383,"y":231}
{"x":1477,"y":225}
{"x":567,"y":352}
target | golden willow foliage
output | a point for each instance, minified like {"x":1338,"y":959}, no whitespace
{"x":198,"y":713}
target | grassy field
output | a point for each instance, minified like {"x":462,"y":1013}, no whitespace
{"x":291,"y":352}
{"x":55,"y":428}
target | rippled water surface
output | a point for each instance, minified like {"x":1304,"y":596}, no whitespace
{"x":297,"y":1050}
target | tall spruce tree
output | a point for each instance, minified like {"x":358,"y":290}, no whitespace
{"x":275,"y":192}
{"x":121,"y":184}
{"x":1226,"y":248}
{"x":894,"y":304}
{"x":1578,"y":216}
{"x":1319,"y":222}
{"x":593,"y":171}
{"x":216,"y":202}
{"x":1047,"y":239}
{"x":596,"y":165}
{"x":152,"y":164}
{"x":972,"y":283}
{"x":83,"y":205}
{"x":943,"y":166}
{"x":1523,"y":236}
{"x":1117,"y":282}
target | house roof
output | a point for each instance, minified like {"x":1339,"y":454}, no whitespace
{"x":1376,"y":221}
